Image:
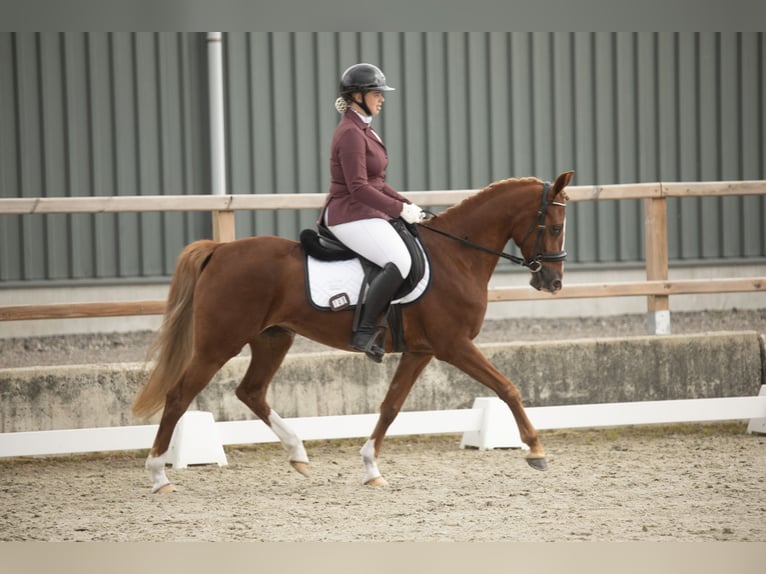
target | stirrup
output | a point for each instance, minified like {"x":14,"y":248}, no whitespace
{"x":370,"y":346}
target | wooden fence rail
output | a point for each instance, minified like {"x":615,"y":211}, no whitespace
{"x":657,"y":288}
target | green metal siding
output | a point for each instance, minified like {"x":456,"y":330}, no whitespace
{"x":127,"y":113}
{"x":93,"y":114}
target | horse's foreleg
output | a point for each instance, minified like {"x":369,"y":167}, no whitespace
{"x":268,"y":351}
{"x":195,"y":378}
{"x":409,"y":369}
{"x":471,"y":361}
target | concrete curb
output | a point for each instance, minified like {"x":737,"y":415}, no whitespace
{"x":584,"y":371}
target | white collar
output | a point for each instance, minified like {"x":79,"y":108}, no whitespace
{"x":365,"y":119}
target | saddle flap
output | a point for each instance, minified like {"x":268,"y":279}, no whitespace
{"x":417,"y":256}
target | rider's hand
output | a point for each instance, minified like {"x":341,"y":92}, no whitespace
{"x":411,"y":213}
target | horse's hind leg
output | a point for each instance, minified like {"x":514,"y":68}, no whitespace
{"x":196,"y":376}
{"x":409,"y":369}
{"x":268,"y":351}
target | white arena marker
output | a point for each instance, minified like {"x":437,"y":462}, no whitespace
{"x":196,"y":440}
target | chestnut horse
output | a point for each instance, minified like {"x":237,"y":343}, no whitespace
{"x":251,"y":292}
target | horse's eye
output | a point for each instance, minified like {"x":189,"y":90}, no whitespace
{"x":556,"y":229}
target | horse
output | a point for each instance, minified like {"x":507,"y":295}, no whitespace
{"x":250,"y":291}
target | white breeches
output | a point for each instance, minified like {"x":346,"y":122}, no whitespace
{"x":375,"y":240}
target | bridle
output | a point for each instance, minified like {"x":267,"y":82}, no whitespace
{"x":534,"y":263}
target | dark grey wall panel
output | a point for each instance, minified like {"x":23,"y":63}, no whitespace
{"x":127,"y":113}
{"x":86,"y":114}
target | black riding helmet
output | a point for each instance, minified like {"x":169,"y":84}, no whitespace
{"x":362,"y":78}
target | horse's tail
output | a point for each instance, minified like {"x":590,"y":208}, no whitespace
{"x":173,"y":344}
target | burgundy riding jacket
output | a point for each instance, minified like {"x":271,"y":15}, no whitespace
{"x":358,"y":188}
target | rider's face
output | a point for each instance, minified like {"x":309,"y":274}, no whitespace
{"x":373,"y":99}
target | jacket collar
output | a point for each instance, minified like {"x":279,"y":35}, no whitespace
{"x":362,"y":125}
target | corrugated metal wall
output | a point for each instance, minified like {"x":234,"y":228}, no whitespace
{"x":88,"y":114}
{"x":100,"y":114}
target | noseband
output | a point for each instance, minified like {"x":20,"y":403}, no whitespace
{"x":535,"y":263}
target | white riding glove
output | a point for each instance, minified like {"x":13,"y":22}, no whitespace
{"x":411,"y":213}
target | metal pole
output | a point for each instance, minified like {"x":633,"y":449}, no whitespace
{"x":217,"y":140}
{"x":223,"y":221}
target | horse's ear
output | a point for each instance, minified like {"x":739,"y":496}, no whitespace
{"x":561,"y":182}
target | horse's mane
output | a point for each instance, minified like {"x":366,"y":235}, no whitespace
{"x":477,"y":199}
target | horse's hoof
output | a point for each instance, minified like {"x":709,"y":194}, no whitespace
{"x":301,"y":467}
{"x":537,"y":463}
{"x":166,"y":489}
{"x":377,"y":481}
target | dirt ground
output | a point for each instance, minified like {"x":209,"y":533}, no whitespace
{"x":669,"y":483}
{"x":654,"y":483}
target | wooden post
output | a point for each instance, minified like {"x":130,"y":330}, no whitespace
{"x":656,"y":231}
{"x":223,"y":226}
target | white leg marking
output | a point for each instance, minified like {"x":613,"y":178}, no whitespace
{"x":290,"y":441}
{"x":156,"y":467}
{"x":368,"y":460}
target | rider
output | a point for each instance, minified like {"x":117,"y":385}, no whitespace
{"x":360,"y":203}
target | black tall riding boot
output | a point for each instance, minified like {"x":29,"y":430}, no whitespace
{"x":382,"y":289}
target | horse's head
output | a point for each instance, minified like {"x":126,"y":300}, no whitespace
{"x":543,"y":244}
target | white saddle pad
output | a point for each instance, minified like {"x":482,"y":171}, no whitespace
{"x":331,"y":279}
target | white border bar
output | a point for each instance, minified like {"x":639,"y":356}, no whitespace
{"x":475,"y":420}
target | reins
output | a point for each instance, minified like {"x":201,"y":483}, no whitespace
{"x":534,"y":263}
{"x":469,"y":243}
